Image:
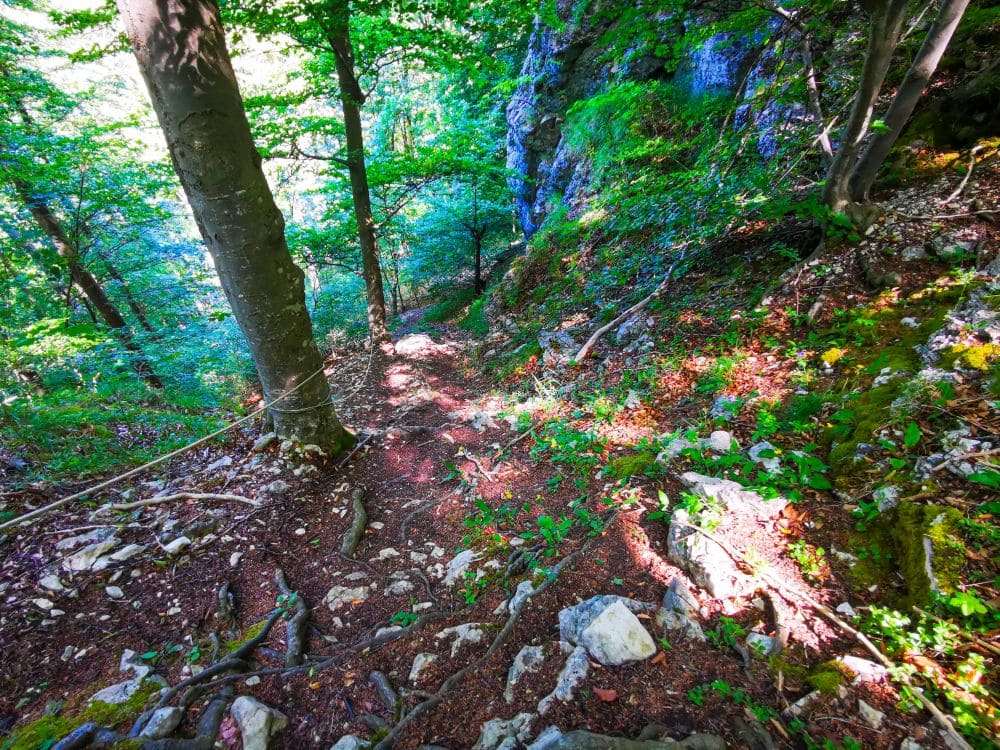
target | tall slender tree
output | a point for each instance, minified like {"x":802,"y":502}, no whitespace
{"x":181,"y":49}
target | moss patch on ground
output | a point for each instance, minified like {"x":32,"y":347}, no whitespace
{"x":48,"y":729}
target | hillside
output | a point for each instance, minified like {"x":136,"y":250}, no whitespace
{"x":543,"y":376}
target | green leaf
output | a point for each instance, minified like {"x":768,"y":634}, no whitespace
{"x":912,"y":435}
{"x":148,"y":655}
{"x":818,"y":482}
{"x":988,"y":478}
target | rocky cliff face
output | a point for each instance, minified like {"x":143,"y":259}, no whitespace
{"x":566,"y":65}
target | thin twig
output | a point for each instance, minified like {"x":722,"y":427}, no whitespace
{"x":173,"y":498}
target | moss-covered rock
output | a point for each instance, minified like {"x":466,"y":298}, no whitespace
{"x":631,"y":465}
{"x":929,"y":552}
{"x":827,"y":678}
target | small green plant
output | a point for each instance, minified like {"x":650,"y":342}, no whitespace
{"x":811,"y":560}
{"x":404,"y":618}
{"x":726,"y":634}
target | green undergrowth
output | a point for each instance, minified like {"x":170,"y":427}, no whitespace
{"x":48,"y":729}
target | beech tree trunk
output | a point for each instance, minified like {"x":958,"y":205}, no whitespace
{"x":181,"y":50}
{"x":352,"y":97}
{"x":887,"y":18}
{"x":916,"y":80}
{"x":86,"y":282}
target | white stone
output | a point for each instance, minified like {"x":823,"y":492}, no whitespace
{"x":234,"y":559}
{"x":872,"y":716}
{"x":720,"y":441}
{"x":114,"y":592}
{"x":398,"y":588}
{"x":469,"y":632}
{"x":574,"y":671}
{"x":350,"y":742}
{"x":127,"y":552}
{"x":420,"y":662}
{"x":338,"y":596}
{"x":257,"y":722}
{"x":458,"y":566}
{"x":86,"y":557}
{"x":117,"y":693}
{"x":760,"y":644}
{"x":864,"y":670}
{"x":388,"y":553}
{"x":528,"y":660}
{"x":524,"y":590}
{"x":616,"y":637}
{"x":846,"y":609}
{"x":162,"y":723}
{"x":496,"y":731}
{"x":45,"y":604}
{"x":176,"y":545}
{"x":771,"y":463}
{"x":51,"y":583}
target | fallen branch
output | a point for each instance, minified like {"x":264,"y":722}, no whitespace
{"x":515,"y":441}
{"x":352,"y":537}
{"x":963,"y":457}
{"x":965,"y":180}
{"x":955,"y":739}
{"x":641,"y":304}
{"x":942,"y":217}
{"x":296,"y":623}
{"x":173,"y":498}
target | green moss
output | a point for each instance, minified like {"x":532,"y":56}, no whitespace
{"x":475,"y":319}
{"x":910,"y":525}
{"x":827,"y":678}
{"x":40,"y":732}
{"x":252,"y":632}
{"x":631,"y":465}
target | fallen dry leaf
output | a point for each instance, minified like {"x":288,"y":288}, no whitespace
{"x":659,"y":658}
{"x":607,"y":695}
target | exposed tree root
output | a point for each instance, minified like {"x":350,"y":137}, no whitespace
{"x":173,"y":498}
{"x":389,"y":698}
{"x":352,"y":537}
{"x":296,"y":623}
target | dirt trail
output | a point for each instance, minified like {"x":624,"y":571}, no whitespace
{"x":430,"y":448}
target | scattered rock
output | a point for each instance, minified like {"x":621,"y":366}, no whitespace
{"x":234,"y":559}
{"x":127,"y":552}
{"x":91,"y":537}
{"x":574,"y":620}
{"x":553,"y":739}
{"x":769,"y":462}
{"x":913,"y":252}
{"x":177,"y":545}
{"x":846,"y":609}
{"x":574,"y":671}
{"x":338,"y":596}
{"x":351,"y":742}
{"x":864,"y":671}
{"x":458,"y":566}
{"x":257,"y":722}
{"x":495,"y":731}
{"x":264,"y":442}
{"x":887,"y":497}
{"x":678,"y":610}
{"x":398,"y":588}
{"x":45,"y":604}
{"x":760,"y":644}
{"x":724,"y":408}
{"x":469,"y":632}
{"x":528,"y":660}
{"x":86,"y":557}
{"x":616,"y":637}
{"x":420,"y":662}
{"x":162,"y":723}
{"x":720,"y":441}
{"x":521,"y":594}
{"x":558,"y":347}
{"x":733,"y":496}
{"x":114,"y":592}
{"x":117,"y":693}
{"x":871,"y":716}
{"x":278,"y":487}
{"x":51,"y":583}
{"x":220,"y":463}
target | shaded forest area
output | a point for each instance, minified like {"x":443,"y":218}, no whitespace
{"x":551,"y":374}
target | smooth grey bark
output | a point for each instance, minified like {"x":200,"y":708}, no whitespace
{"x":181,"y":49}
{"x":886,"y":21}
{"x":917,"y":77}
{"x":351,"y":98}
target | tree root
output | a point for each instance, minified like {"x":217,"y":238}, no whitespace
{"x":352,"y":537}
{"x":296,"y":623}
{"x":172,"y":498}
{"x":389,"y":698}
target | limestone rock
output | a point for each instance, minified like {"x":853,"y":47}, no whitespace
{"x":574,"y":671}
{"x":420,"y":662}
{"x":338,"y":596}
{"x":117,"y":693}
{"x":351,"y":742}
{"x":574,"y":620}
{"x":162,"y":723}
{"x":458,"y":566}
{"x":495,"y":732}
{"x":86,"y":557}
{"x":871,"y":715}
{"x":469,"y":632}
{"x":528,"y":659}
{"x":257,"y":722}
{"x":617,"y":637}
{"x":679,"y":609}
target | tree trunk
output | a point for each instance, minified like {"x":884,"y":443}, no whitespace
{"x":352,"y":98}
{"x":478,"y":239}
{"x":134,"y":305}
{"x":181,"y":50}
{"x":815,"y":103}
{"x":916,"y":80}
{"x":86,"y":282}
{"x":886,"y":23}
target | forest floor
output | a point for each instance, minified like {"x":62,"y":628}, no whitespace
{"x":458,"y":479}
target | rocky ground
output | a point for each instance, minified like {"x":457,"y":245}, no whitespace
{"x":527,"y":571}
